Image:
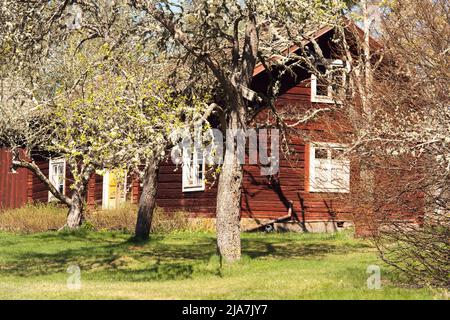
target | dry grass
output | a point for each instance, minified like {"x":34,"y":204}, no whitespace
{"x":199,"y":224}
{"x":44,"y":217}
{"x":122,"y":218}
{"x":33,"y":218}
{"x":164,"y":222}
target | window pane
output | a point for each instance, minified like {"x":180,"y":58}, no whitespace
{"x":193,"y":169}
{"x":336,"y":177}
{"x":322,"y":83}
{"x":321,"y":153}
{"x":337,"y":80}
{"x":200,"y":173}
{"x":321,"y":68}
{"x":190,"y":174}
{"x":337,"y":153}
{"x":322,"y":88}
{"x":322,"y":176}
{"x":56,"y":176}
{"x":340,"y":175}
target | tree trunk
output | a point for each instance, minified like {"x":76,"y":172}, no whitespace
{"x":147,"y":201}
{"x":228,"y":210}
{"x":229,"y":195}
{"x":75,"y":216}
{"x":366,"y":222}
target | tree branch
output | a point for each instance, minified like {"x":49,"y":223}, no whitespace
{"x":19,"y":163}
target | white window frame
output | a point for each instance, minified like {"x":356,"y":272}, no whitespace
{"x":329,"y":164}
{"x":105,"y":191}
{"x":192,"y":165}
{"x":330,"y":97}
{"x":51,"y":163}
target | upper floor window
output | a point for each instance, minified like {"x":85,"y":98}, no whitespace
{"x":193,"y":170}
{"x":326,"y":87}
{"x":329,"y":168}
{"x":57,"y":176}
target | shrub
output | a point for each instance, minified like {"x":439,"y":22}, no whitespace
{"x":421,"y":253}
{"x":33,"y":218}
{"x":122,"y":218}
{"x":165,"y":222}
{"x":41,"y":217}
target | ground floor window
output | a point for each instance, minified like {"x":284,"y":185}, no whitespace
{"x":57,"y":176}
{"x":193,"y":170}
{"x":329,"y":169}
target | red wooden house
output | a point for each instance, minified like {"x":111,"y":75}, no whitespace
{"x":303,"y":186}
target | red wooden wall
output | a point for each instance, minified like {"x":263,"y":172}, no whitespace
{"x":95,"y":190}
{"x":271,"y":197}
{"x":14,"y":190}
{"x":39,"y":190}
{"x":171,"y":197}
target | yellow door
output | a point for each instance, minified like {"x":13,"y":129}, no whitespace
{"x":114,"y":188}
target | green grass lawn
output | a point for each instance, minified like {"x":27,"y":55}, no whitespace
{"x":185,"y":266}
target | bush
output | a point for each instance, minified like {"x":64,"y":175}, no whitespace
{"x":33,"y":218}
{"x":421,"y":253}
{"x":44,"y":217}
{"x":165,"y":222}
{"x":122,"y":218}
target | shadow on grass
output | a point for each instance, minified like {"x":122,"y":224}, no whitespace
{"x":117,"y":256}
{"x":291,"y":249}
{"x":156,"y":272}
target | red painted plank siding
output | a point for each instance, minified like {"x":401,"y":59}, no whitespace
{"x":171,"y":196}
{"x":271,"y":197}
{"x":13,"y":186}
{"x":95,"y":189}
{"x":39,"y":190}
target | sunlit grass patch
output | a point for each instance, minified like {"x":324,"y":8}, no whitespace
{"x":184,"y":265}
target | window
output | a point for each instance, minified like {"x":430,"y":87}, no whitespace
{"x":329,"y":169}
{"x":193,"y":170}
{"x":57,"y":176}
{"x":325,"y":88}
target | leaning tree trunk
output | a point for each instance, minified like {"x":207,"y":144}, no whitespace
{"x":75,"y":215}
{"x":147,"y":201}
{"x":76,"y":205}
{"x":229,"y":195}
